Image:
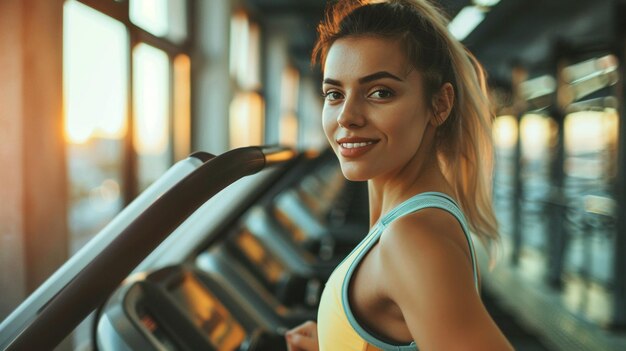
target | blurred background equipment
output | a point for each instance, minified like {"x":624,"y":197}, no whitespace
{"x":101,"y":99}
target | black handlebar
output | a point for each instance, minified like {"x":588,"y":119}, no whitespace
{"x":107,"y":270}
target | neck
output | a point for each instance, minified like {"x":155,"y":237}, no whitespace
{"x":421,"y":174}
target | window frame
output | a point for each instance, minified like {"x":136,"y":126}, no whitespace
{"x":120,"y":11}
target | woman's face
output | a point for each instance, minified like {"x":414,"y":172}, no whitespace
{"x":375,"y":112}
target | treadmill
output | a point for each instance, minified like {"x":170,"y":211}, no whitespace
{"x":138,"y":273}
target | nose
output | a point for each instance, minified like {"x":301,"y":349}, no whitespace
{"x":351,"y":115}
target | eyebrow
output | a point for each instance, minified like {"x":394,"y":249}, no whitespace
{"x":369,"y":78}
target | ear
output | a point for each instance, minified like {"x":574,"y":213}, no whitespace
{"x":442,"y":104}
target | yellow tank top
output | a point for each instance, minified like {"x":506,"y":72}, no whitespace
{"x":338,"y":329}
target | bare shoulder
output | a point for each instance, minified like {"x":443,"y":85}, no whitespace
{"x":431,"y":236}
{"x":428,"y":275}
{"x":423,"y":253}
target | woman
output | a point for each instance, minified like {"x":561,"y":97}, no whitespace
{"x":406,"y":109}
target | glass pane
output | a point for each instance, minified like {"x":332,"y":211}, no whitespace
{"x":245,"y":52}
{"x":182,"y":108}
{"x":162,"y":18}
{"x":590,"y":168}
{"x":238,"y":44}
{"x":252,"y":78}
{"x":505,"y":135}
{"x":247,"y":120}
{"x":151,"y":126}
{"x":288,"y":128}
{"x":95,"y":76}
{"x":535,"y":134}
{"x":537,"y":138}
{"x":505,"y":132}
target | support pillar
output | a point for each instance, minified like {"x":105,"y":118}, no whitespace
{"x":33,"y":190}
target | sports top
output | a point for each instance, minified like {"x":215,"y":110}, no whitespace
{"x":338,"y":328}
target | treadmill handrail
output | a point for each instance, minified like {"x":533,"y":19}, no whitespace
{"x":98,"y":279}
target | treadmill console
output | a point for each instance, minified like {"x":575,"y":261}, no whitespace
{"x":172,"y":309}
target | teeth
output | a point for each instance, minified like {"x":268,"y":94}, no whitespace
{"x":355,"y":145}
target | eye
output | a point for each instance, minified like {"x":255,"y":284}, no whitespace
{"x":332,"y":95}
{"x":381,"y":94}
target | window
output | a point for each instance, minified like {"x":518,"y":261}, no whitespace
{"x":288,"y":133}
{"x":151,"y":109}
{"x":126,"y":75}
{"x":95,"y":78}
{"x":247,"y":109}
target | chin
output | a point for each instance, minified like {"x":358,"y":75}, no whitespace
{"x":353,"y":173}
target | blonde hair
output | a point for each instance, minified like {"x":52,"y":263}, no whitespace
{"x":463,"y":141}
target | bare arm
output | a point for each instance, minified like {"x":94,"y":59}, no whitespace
{"x":430,"y":278}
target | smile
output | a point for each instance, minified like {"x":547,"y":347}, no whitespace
{"x":355,"y":145}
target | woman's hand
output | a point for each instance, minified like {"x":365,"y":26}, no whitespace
{"x":302,"y":337}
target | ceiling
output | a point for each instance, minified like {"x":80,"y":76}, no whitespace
{"x":530,"y":33}
{"x":535,"y":33}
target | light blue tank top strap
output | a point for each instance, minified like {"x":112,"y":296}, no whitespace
{"x":412,"y":205}
{"x":433,"y":200}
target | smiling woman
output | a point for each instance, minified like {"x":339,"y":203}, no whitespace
{"x":406,"y":109}
{"x":382,"y":111}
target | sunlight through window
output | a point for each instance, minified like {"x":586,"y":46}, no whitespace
{"x":95,"y":72}
{"x":151,"y":123}
{"x":182,"y":107}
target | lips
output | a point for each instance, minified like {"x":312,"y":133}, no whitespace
{"x":355,"y":146}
